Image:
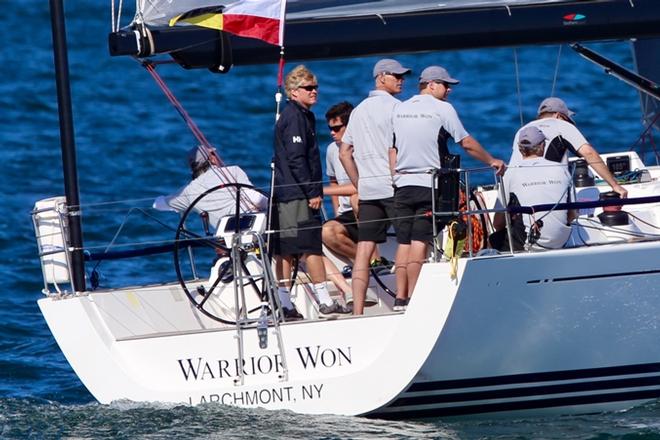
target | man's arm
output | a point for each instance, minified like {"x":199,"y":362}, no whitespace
{"x":392,"y":158}
{"x":592,"y":157}
{"x":347,"y":161}
{"x":328,"y":191}
{"x":474,"y":149}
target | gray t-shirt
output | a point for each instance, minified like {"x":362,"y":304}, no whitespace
{"x":540,"y":181}
{"x":334,"y":169}
{"x":370,"y":132}
{"x":418,"y":123}
{"x":561,"y":137}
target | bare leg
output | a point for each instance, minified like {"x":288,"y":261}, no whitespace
{"x":283,"y":266}
{"x":336,"y":238}
{"x":401,"y":269}
{"x":316,"y":268}
{"x":361,"y":275}
{"x":336,"y":277}
{"x":416,"y":258}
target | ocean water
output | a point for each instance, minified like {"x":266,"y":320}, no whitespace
{"x":131,"y":147}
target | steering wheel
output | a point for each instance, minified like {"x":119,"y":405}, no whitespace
{"x":185,"y":238}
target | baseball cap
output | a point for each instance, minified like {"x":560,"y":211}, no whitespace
{"x":530,"y":137}
{"x":436,"y":73}
{"x":198,"y":155}
{"x":556,"y":105}
{"x":387,"y":65}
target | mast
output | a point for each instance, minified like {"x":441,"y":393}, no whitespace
{"x":67,"y":144}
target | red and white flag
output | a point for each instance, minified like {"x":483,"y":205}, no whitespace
{"x":261,"y":19}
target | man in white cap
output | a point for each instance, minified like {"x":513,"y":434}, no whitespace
{"x":422,"y":127}
{"x":536,"y":181}
{"x":364,"y":153}
{"x":556,"y":122}
{"x":208,"y":172}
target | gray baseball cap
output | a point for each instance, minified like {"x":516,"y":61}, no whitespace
{"x":436,"y":73}
{"x":387,"y":65}
{"x":530,"y":137}
{"x":198,"y":155}
{"x":556,"y":105}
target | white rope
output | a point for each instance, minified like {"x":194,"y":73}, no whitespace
{"x":515,"y":61}
{"x":554,"y":80}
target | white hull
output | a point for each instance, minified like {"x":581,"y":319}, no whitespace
{"x":566,"y":331}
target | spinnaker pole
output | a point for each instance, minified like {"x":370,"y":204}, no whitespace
{"x":67,"y":144}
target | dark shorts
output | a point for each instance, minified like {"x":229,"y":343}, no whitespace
{"x":347,"y":220}
{"x":375,"y":219}
{"x":413,"y":207}
{"x":299,"y":229}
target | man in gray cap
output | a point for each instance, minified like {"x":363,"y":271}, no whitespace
{"x":556,"y":122}
{"x":422,"y":126}
{"x":535,"y":181}
{"x":208,"y":172}
{"x":364,"y":153}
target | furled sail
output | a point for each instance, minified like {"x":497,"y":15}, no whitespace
{"x":325,"y":29}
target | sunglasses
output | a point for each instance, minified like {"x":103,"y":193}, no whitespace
{"x":335,"y":128}
{"x":395,"y":75}
{"x":309,"y":88}
{"x":447,"y":85}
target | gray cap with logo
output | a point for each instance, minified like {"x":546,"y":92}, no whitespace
{"x":555,"y":105}
{"x":387,"y":65}
{"x":530,"y":137}
{"x":436,"y":73}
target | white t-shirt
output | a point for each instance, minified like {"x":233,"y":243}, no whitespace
{"x":417,"y":124}
{"x":561,"y":136}
{"x":219,"y":203}
{"x":539,"y":181}
{"x":370,"y":132}
{"x":335,"y":169}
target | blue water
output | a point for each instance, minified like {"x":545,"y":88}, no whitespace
{"x":131,"y":146}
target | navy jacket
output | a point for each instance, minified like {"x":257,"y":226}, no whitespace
{"x":297,"y":157}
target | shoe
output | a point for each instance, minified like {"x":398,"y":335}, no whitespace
{"x":333,"y":309}
{"x":382,"y":266}
{"x":370,"y":301}
{"x":292,"y":314}
{"x":400,"y":305}
{"x":347,"y":271}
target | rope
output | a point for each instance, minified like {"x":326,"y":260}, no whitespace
{"x":225,"y":176}
{"x":515,"y":62}
{"x":554,"y":80}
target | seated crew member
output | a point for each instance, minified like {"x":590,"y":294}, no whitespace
{"x":535,"y":181}
{"x":556,"y":122}
{"x":422,"y":126}
{"x":208,"y":172}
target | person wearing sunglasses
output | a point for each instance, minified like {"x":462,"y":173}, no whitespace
{"x":364,"y":153}
{"x":422,"y":127}
{"x":298,"y":193}
{"x":556,"y":122}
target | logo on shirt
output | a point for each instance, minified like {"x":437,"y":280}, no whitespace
{"x":297,"y":140}
{"x":573,"y":19}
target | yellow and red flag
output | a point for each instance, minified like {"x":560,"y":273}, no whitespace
{"x":261,"y":19}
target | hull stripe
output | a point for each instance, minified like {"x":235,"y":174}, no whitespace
{"x":520,"y":405}
{"x":588,"y":373}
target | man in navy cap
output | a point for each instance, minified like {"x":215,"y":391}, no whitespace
{"x":422,"y":126}
{"x":364,"y":153}
{"x":556,"y":122}
{"x":536,"y":181}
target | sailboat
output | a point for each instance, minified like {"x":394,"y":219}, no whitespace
{"x":563,"y":331}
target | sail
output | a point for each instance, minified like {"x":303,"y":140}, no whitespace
{"x":326,"y":29}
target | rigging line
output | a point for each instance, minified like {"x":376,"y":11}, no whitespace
{"x":246,"y":204}
{"x":515,"y":62}
{"x":554,"y":80}
{"x":121,"y":6}
{"x":112,"y":16}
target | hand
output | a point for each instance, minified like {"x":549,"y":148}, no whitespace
{"x":499,"y":166}
{"x":621,"y":190}
{"x":315,"y":203}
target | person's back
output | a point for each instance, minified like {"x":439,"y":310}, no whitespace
{"x":538,"y":181}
